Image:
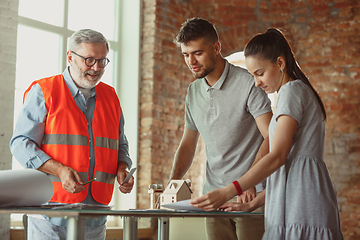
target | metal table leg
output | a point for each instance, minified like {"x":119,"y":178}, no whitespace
{"x":130,"y":228}
{"x":163,"y":228}
{"x":75,"y":228}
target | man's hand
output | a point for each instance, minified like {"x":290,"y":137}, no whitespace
{"x":236,"y":206}
{"x":245,"y":206}
{"x":70,"y":178}
{"x":121,"y":175}
{"x":247,"y":196}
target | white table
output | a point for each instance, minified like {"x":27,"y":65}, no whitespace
{"x":76,"y":218}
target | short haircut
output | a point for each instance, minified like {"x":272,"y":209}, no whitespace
{"x":86,"y":36}
{"x":196,"y":28}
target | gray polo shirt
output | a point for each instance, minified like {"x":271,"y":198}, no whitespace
{"x":224,"y":115}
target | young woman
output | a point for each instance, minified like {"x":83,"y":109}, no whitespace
{"x":300,"y":199}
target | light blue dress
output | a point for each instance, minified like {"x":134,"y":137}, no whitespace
{"x":300,"y":198}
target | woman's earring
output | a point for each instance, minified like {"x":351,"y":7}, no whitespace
{"x":282,"y":70}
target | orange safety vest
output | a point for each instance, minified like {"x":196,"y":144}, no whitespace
{"x":66,"y":138}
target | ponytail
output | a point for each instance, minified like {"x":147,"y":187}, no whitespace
{"x":272,"y":44}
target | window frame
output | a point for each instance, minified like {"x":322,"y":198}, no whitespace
{"x":126,"y":66}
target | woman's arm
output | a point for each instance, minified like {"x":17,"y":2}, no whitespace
{"x":281,"y":145}
{"x":246,"y":206}
{"x":262,"y":123}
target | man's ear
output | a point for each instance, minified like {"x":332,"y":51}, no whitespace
{"x":69,"y":57}
{"x":217,"y":47}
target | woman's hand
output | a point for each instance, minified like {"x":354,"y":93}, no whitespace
{"x":214,"y":199}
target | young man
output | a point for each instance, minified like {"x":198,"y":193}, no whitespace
{"x":71,"y":127}
{"x":232,"y":116}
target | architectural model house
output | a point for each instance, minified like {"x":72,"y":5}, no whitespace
{"x":177,"y":190}
{"x":155,"y":190}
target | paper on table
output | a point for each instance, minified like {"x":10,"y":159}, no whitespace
{"x":181,"y":205}
{"x":26,"y":187}
{"x":81,"y":206}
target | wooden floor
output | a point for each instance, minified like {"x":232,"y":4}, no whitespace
{"x":111,"y":234}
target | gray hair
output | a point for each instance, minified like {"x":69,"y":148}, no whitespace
{"x":86,"y":36}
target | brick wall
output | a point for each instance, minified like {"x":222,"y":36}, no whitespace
{"x":162,"y":94}
{"x":325,"y":36}
{"x":8,"y":33}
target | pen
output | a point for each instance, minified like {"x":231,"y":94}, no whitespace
{"x":89,"y":181}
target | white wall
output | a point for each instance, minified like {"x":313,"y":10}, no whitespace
{"x":8,"y":34}
{"x":187,"y":228}
{"x":128,"y":86}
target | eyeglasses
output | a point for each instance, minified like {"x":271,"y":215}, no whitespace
{"x":90,"y":61}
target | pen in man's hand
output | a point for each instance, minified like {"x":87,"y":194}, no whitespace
{"x":89,"y":181}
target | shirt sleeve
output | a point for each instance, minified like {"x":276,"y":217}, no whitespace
{"x":29,"y":130}
{"x":123,"y":144}
{"x":290,"y":101}
{"x":258,"y":102}
{"x":189,"y":121}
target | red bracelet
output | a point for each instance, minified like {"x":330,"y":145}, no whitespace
{"x":238,"y":188}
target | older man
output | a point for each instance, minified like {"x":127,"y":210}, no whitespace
{"x":71,"y":127}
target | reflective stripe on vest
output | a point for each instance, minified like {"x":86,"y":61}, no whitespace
{"x":65,"y":139}
{"x":107,"y":143}
{"x":100,"y":177}
{"x":105,"y":177}
{"x":83,"y":175}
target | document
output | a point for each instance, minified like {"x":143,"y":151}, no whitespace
{"x":81,"y":206}
{"x":27,"y":187}
{"x":182,"y":205}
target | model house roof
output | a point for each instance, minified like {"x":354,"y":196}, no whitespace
{"x":175,"y":186}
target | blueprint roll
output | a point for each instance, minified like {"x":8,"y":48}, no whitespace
{"x":27,"y":187}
